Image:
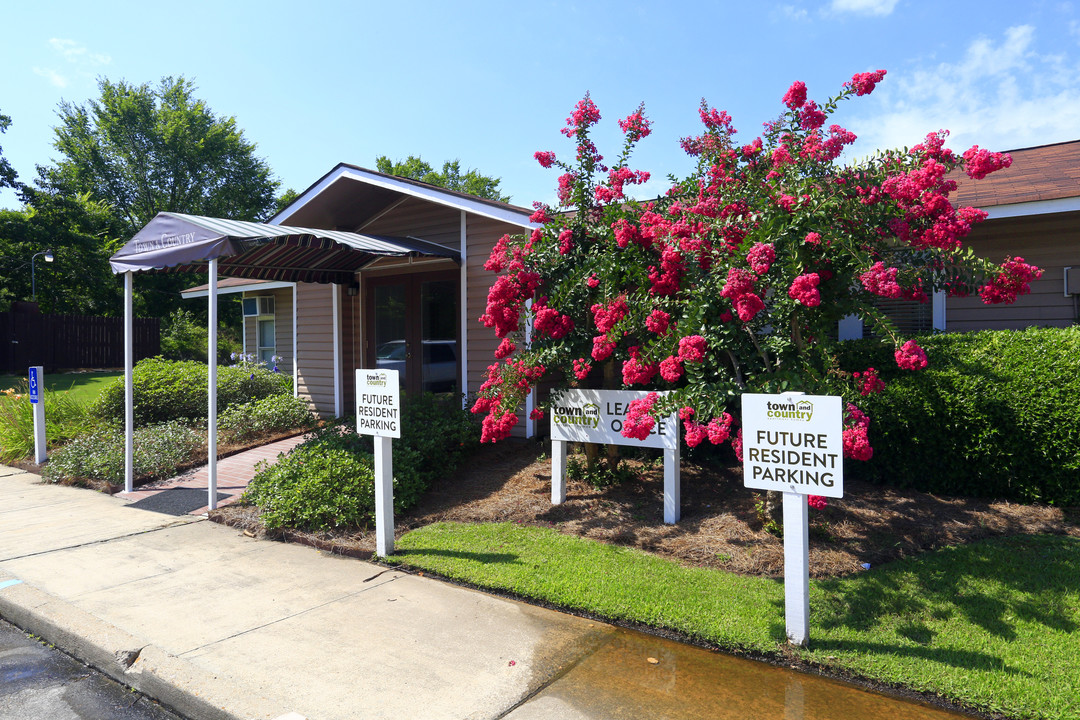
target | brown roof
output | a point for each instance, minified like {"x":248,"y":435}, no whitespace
{"x":1047,"y":172}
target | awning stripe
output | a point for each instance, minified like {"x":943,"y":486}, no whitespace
{"x":176,"y":242}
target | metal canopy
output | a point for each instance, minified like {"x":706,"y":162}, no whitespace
{"x":174,"y":242}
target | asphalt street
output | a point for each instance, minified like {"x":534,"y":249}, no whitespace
{"x":39,"y":681}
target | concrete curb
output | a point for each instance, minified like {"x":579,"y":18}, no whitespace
{"x":175,"y":683}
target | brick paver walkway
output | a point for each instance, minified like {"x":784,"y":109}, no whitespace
{"x":234,"y":474}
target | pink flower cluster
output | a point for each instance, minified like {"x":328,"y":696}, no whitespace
{"x":804,"y":290}
{"x":1011,"y":282}
{"x":980,"y":163}
{"x":692,"y":348}
{"x":582,"y":368}
{"x":507,"y":296}
{"x":638,"y":422}
{"x":864,"y":83}
{"x":636,"y":371}
{"x":739,"y":289}
{"x":856,"y":434}
{"x":658,"y":322}
{"x":795,"y":97}
{"x":665,"y":280}
{"x":585,"y":115}
{"x":636,"y":125}
{"x":671,"y":369}
{"x":870,"y":384}
{"x":910,"y":356}
{"x":608,"y":316}
{"x":515,"y":376}
{"x":717,"y":430}
{"x":817,"y":502}
{"x":761,"y":257}
{"x":545,"y":158}
{"x":881,"y":281}
{"x":549,"y":321}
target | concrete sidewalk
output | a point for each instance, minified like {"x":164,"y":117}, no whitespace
{"x":218,"y":625}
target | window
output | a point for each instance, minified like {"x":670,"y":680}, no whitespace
{"x":266,"y":338}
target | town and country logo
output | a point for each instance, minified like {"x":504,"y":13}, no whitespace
{"x":802,"y":410}
{"x":587,"y":415}
{"x":377,"y":379}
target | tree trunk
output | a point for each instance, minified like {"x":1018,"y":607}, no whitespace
{"x":774,"y":506}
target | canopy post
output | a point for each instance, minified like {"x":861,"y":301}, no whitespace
{"x":129,"y":382}
{"x":211,"y":389}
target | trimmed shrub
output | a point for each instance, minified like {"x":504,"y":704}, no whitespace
{"x":319,"y":486}
{"x":328,"y":481}
{"x":176,"y":390}
{"x":159,"y":450}
{"x":994,"y":415}
{"x":276,"y":413}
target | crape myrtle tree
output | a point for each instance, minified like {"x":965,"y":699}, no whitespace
{"x":735,"y":279}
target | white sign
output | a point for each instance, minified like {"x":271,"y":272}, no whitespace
{"x":378,"y":403}
{"x":793,"y":443}
{"x":597,"y":416}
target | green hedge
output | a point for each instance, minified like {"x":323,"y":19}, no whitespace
{"x":328,"y":481}
{"x":996,"y":414}
{"x":176,"y":390}
{"x":159,"y":450}
{"x":259,"y":418}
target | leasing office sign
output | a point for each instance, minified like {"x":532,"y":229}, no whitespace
{"x":597,"y":416}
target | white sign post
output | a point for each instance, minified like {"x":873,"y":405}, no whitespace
{"x":378,"y":413}
{"x":794,"y":443}
{"x":596,"y":416}
{"x":35,"y":382}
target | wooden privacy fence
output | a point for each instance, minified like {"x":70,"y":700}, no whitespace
{"x":71,"y":341}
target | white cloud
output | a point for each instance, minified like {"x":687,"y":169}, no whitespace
{"x":1002,"y":94}
{"x":52,"y":76}
{"x":790,"y":12}
{"x":78,"y":54}
{"x":864,"y":7}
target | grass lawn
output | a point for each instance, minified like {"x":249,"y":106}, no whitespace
{"x":994,"y":624}
{"x":81,"y":387}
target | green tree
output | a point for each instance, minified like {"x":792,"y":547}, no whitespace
{"x":8,"y":177}
{"x":471,"y":182}
{"x":144,"y":150}
{"x":82,"y":233}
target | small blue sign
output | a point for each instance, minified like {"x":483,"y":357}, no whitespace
{"x":34,"y":396}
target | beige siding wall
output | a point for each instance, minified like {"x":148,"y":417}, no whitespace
{"x":283,"y":322}
{"x":315,"y":344}
{"x":482,"y":236}
{"x":1052,"y":242}
{"x":421,"y":219}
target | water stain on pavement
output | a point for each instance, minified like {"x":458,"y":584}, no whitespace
{"x":641,"y":676}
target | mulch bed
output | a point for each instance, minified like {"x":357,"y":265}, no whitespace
{"x":721,"y":526}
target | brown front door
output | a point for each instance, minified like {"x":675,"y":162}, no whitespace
{"x":412,"y":327}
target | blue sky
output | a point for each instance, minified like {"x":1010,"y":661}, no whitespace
{"x":320,"y":82}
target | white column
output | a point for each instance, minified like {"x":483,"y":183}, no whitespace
{"x":558,"y":472}
{"x":211,"y":390}
{"x":384,"y":496}
{"x":295,"y":349}
{"x":938,"y":309}
{"x":129,"y":382}
{"x":335,"y":302}
{"x":463,"y":350}
{"x":796,"y":569}
{"x":672,"y":484}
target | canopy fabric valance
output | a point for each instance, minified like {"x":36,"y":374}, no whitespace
{"x":174,"y":242}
